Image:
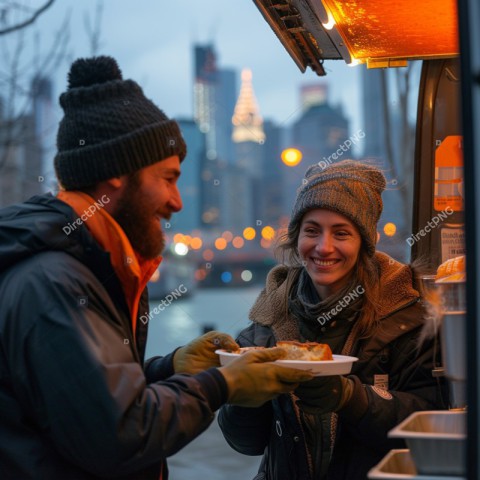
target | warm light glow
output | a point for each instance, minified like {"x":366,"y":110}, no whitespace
{"x":208,"y":255}
{"x":265,"y":243}
{"x":196,"y":243}
{"x":228,"y":236}
{"x":178,"y":237}
{"x":181,"y":249}
{"x":246,"y":75}
{"x":155,"y":276}
{"x":249,"y":233}
{"x":291,"y":157}
{"x":331,"y":22}
{"x":186,"y":239}
{"x":238,"y":242}
{"x":220,"y":244}
{"x":354,"y":63}
{"x":409,"y":29}
{"x":389,"y":229}
{"x":268,"y":232}
{"x":200,"y":274}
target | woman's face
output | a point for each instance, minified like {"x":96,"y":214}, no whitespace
{"x":329,"y":245}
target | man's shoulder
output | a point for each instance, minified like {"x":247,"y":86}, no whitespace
{"x":47,"y":261}
{"x":42,"y":271}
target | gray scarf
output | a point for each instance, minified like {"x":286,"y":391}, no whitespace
{"x":307,"y":306}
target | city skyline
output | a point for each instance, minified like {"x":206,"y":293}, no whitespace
{"x":178,"y":45}
{"x":158,"y":55}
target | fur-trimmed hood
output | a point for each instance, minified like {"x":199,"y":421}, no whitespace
{"x":271,"y":306}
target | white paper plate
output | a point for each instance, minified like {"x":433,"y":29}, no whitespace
{"x":340,"y":365}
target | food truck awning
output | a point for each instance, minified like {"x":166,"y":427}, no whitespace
{"x":375,"y":32}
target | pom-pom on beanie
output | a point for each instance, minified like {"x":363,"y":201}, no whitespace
{"x":351,"y":188}
{"x":109,"y":127}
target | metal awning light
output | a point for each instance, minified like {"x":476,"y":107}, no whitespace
{"x":380,"y":33}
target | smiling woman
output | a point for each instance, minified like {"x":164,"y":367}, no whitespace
{"x":329,"y":244}
{"x":335,"y":288}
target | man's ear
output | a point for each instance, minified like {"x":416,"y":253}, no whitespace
{"x":116,"y":182}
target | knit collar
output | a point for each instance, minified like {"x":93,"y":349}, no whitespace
{"x":272,"y":309}
{"x":305,"y":303}
{"x":133,"y":271}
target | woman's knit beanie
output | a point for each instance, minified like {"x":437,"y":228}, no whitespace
{"x":349,"y":187}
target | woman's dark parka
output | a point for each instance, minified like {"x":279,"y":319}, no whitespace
{"x":392,"y":378}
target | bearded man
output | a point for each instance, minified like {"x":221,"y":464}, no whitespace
{"x":77,"y":399}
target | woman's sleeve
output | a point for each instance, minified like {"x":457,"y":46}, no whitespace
{"x":372,"y":411}
{"x":246,"y":430}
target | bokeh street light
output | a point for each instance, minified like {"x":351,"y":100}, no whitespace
{"x":291,"y":157}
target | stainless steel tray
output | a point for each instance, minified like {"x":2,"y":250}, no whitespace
{"x":398,"y":464}
{"x":436,"y":440}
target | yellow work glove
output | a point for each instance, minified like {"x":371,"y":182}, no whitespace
{"x":252,"y":382}
{"x":199,"y":354}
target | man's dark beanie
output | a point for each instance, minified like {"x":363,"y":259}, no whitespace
{"x":110,"y":128}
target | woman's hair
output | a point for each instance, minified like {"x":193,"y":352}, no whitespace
{"x":367,"y":274}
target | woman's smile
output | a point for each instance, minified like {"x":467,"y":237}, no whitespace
{"x":329,"y":244}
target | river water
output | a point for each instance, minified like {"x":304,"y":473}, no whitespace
{"x":208,"y":457}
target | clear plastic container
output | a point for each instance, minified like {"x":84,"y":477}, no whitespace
{"x":454,"y":296}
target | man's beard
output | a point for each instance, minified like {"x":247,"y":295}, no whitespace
{"x":135,"y":214}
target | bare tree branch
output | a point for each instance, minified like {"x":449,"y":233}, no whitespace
{"x":29,"y":21}
{"x":94,"y":31}
{"x":17,"y":81}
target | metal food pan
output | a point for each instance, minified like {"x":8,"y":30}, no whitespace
{"x":398,"y":464}
{"x":436,"y":440}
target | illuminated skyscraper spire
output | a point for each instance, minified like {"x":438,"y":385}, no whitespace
{"x":247,"y":122}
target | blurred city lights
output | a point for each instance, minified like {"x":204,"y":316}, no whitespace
{"x":268,"y":232}
{"x":238,"y":242}
{"x":246,"y":275}
{"x":265,"y":243}
{"x":181,"y":249}
{"x":178,"y":237}
{"x":155,"y":276}
{"x":291,"y":157}
{"x":228,"y":236}
{"x":200,"y":274}
{"x":196,"y":243}
{"x":208,"y":255}
{"x":389,"y":229}
{"x":249,"y":233}
{"x":220,"y":243}
{"x":226,"y":277}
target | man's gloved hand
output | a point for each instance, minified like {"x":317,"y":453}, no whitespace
{"x":199,"y":354}
{"x":324,"y":394}
{"x":252,"y":382}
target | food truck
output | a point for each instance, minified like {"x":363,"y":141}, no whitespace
{"x":445,"y":36}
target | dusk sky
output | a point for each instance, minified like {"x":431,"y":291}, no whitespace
{"x":152,"y":41}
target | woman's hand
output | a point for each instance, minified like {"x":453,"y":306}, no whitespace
{"x":324,"y":394}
